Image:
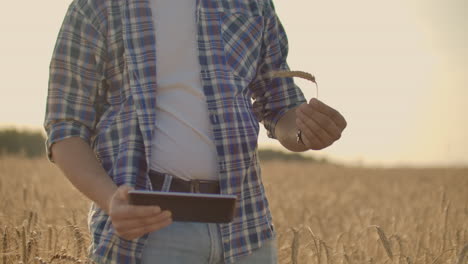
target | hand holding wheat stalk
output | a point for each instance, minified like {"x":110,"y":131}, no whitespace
{"x":300,"y":74}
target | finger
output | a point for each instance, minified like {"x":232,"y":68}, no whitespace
{"x":129,"y":224}
{"x":322,"y":125}
{"x":309,"y":138}
{"x":340,"y":121}
{"x":128,"y":211}
{"x":122,"y":192}
{"x":333,"y":114}
{"x":321,"y":107}
{"x":316,"y":135}
{"x":138,"y":232}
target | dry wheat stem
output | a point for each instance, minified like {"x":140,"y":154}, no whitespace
{"x":24,"y":245}
{"x":49,"y":238}
{"x":444,"y":231}
{"x":408,"y":260}
{"x":463,"y":255}
{"x":295,"y":246}
{"x":5,"y":246}
{"x":338,"y":239}
{"x":398,"y":239}
{"x":347,"y":259}
{"x":436,"y":260}
{"x":79,"y":241}
{"x":325,"y":247}
{"x":299,"y":74}
{"x":385,"y":242}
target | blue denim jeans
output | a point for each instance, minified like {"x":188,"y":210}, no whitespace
{"x":197,"y":243}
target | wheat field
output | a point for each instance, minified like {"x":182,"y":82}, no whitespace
{"x":322,"y":213}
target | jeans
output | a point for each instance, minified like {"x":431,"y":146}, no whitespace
{"x":197,"y":243}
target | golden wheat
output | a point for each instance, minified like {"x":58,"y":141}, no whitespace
{"x":295,"y":246}
{"x":323,"y":214}
{"x":463,"y":255}
{"x":78,"y":237}
{"x":5,"y":246}
{"x":299,"y":74}
{"x":385,"y":242}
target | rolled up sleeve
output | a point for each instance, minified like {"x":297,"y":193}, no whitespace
{"x":273,"y":97}
{"x":73,"y":80}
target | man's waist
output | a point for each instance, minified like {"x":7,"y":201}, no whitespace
{"x":166,"y":182}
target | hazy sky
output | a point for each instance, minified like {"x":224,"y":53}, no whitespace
{"x":396,"y":69}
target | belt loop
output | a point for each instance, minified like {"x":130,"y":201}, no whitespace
{"x":195,"y":186}
{"x":167,"y":182}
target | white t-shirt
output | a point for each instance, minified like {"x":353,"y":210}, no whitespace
{"x":182,"y":141}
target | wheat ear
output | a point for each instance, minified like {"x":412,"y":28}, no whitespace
{"x":63,"y":256}
{"x":79,"y":240}
{"x":385,"y":242}
{"x":299,"y":74}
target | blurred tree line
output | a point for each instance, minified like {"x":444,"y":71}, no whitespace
{"x":269,"y":155}
{"x":24,"y":143}
{"x":31,"y":144}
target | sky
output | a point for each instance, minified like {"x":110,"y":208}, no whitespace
{"x":397,"y":70}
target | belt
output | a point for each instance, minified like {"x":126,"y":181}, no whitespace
{"x":165,"y":182}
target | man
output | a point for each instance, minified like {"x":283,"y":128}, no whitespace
{"x":148,"y":91}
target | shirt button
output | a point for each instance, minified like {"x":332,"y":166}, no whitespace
{"x":222,"y":166}
{"x":214,"y":119}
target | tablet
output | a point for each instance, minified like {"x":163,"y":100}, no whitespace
{"x":189,"y":207}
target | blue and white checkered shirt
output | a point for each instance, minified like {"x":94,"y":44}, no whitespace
{"x":102,"y":89}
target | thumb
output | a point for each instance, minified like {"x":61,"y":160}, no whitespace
{"x":314,"y":101}
{"x":122,"y":192}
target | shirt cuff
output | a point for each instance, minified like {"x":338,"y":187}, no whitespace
{"x":270,"y":123}
{"x":65,"y":129}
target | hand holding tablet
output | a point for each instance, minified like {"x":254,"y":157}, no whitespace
{"x":189,"y":207}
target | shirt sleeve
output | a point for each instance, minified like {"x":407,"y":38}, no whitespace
{"x":273,"y":97}
{"x":73,"y":80}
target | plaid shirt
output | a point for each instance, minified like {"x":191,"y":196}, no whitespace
{"x":102,"y":89}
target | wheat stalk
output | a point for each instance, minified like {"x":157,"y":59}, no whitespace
{"x":295,"y":246}
{"x":30,"y":220}
{"x":400,"y":245}
{"x":25,"y":195}
{"x":49,"y":238}
{"x":32,"y":243}
{"x":463,"y":255}
{"x":444,"y":231}
{"x":347,"y":259}
{"x":299,"y":74}
{"x":408,"y":260}
{"x":5,"y":246}
{"x":443,"y":199}
{"x":338,"y":239}
{"x":24,"y":245}
{"x":79,"y":240}
{"x":317,"y":246}
{"x":57,"y":236}
{"x":16,"y":242}
{"x":325,"y":247}
{"x":386,"y":244}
